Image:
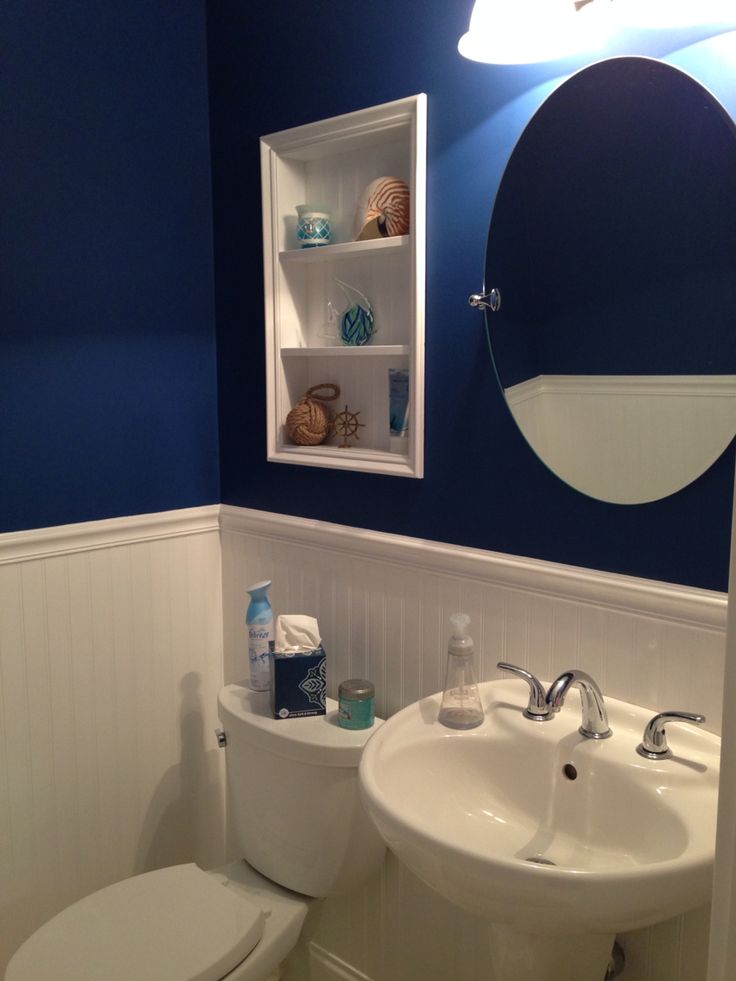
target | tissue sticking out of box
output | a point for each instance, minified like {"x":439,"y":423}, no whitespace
{"x":298,"y":668}
{"x":297,"y":634}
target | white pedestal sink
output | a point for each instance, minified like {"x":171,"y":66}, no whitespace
{"x":560,"y":841}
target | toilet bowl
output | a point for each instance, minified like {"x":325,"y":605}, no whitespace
{"x":294,"y":810}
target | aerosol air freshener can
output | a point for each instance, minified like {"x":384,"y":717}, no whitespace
{"x":259,"y":621}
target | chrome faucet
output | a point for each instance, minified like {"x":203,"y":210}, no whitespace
{"x":654,"y":741}
{"x":537,"y":709}
{"x":595,"y":718}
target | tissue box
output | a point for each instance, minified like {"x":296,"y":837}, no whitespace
{"x":298,"y":684}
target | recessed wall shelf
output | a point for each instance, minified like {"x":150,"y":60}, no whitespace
{"x":331,"y":162}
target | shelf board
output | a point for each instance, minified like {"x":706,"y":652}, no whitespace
{"x":346,"y":250}
{"x":352,"y":458}
{"x":345,"y":351}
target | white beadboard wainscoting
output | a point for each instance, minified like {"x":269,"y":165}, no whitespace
{"x":110,"y":663}
{"x":383,"y":603}
{"x":116,"y":635}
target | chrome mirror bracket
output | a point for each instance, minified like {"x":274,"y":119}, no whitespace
{"x":486,"y":301}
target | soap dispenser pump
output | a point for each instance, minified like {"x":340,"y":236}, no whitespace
{"x":461,"y":706}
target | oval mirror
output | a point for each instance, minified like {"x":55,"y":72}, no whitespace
{"x":613,"y":247}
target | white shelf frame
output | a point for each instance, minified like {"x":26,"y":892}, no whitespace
{"x":311,"y":142}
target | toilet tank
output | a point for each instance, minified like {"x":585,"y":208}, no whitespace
{"x":294,"y":809}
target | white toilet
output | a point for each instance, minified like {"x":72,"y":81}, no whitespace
{"x":295,"y":811}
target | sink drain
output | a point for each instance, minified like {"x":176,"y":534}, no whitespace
{"x":539,"y":860}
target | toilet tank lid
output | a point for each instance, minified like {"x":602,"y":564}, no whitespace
{"x":174,"y":924}
{"x":315,"y":739}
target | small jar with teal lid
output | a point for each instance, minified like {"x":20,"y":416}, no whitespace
{"x":356,"y":704}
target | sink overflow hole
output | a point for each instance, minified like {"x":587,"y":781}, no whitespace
{"x":539,"y":860}
{"x":570,"y":772}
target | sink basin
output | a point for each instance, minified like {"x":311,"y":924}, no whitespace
{"x":530,"y":824}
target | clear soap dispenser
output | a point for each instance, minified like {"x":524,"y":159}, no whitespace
{"x":461,"y":707}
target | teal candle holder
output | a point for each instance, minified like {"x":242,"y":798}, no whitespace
{"x":313,"y":226}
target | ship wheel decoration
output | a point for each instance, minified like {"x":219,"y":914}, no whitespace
{"x":346,"y":424}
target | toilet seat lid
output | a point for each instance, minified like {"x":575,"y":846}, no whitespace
{"x":175,"y":924}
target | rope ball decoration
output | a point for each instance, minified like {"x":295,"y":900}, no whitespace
{"x":310,"y":421}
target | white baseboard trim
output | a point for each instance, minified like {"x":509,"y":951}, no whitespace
{"x":683,"y":604}
{"x":85,"y":536}
{"x":324,"y":966}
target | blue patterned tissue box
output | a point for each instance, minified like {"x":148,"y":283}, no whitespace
{"x":298,"y":684}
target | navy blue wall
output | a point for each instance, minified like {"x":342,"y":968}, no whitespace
{"x":108,"y":396}
{"x":277,"y":65}
{"x":107,"y":344}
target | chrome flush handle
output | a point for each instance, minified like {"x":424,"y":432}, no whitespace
{"x":654,"y":741}
{"x":537,"y":709}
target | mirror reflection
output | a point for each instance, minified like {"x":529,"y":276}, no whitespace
{"x":613,"y":245}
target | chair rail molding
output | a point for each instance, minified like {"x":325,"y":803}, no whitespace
{"x":683,"y":604}
{"x":85,"y":536}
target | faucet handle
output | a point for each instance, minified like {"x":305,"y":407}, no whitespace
{"x":654,"y":741}
{"x":537,"y":709}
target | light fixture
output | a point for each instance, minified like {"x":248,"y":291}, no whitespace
{"x":512,"y":32}
{"x":507,"y":32}
{"x":663,"y":14}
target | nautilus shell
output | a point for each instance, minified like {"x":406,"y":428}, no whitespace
{"x":383,"y":209}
